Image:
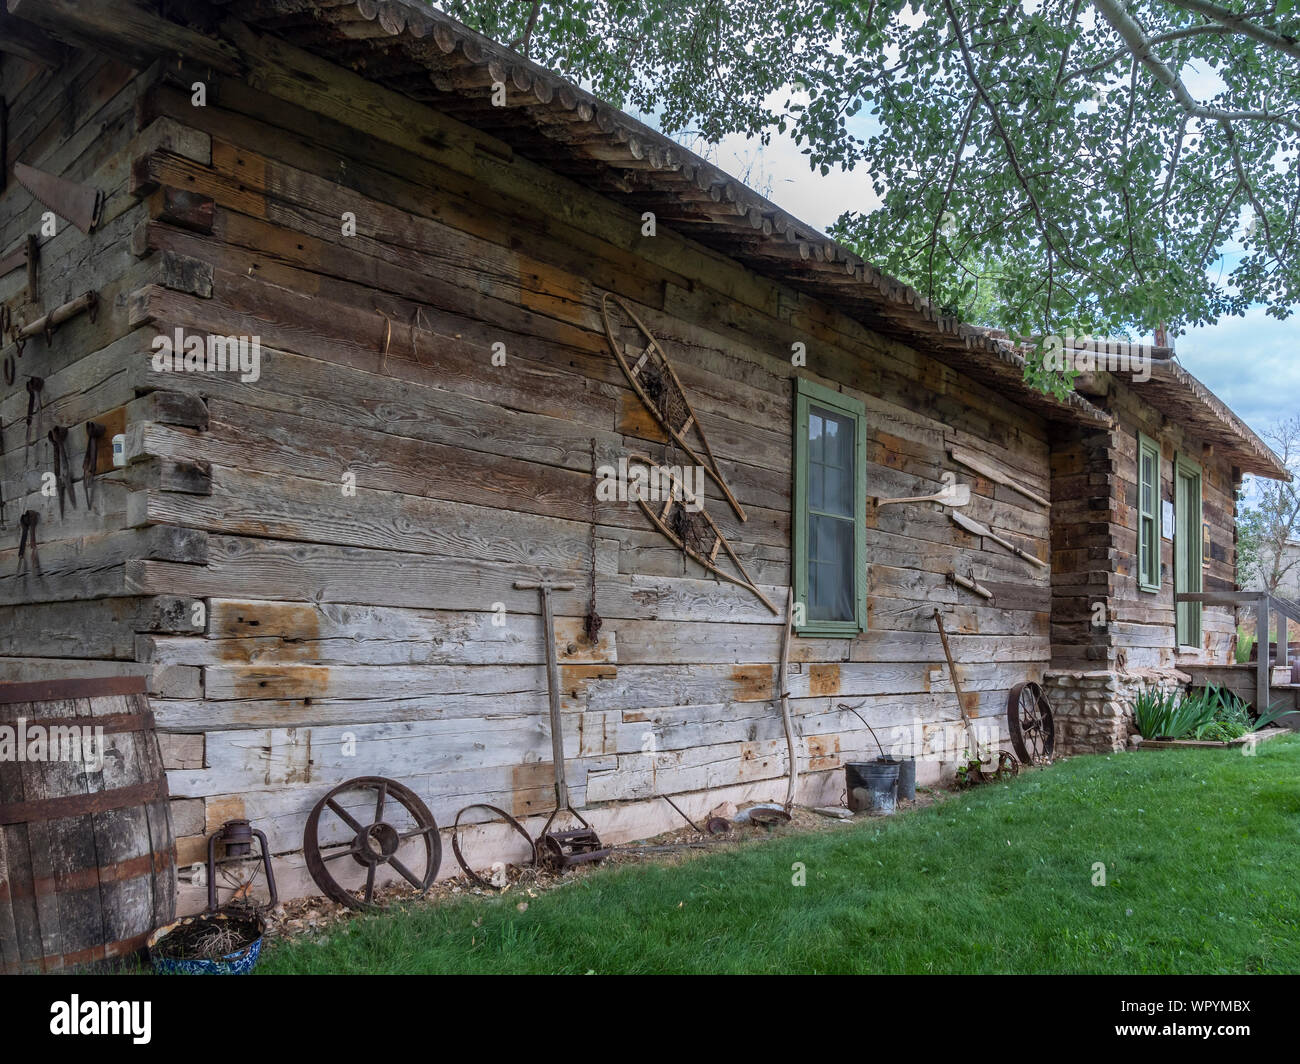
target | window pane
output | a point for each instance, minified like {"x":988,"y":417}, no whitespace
{"x":830,"y":462}
{"x":830,"y":569}
{"x":1148,"y":567}
{"x":1148,"y":483}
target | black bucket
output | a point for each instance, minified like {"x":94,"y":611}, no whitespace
{"x":872,"y":785}
{"x":907,"y":778}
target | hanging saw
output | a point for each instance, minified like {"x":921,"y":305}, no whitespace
{"x":80,"y":204}
{"x":977,"y":529}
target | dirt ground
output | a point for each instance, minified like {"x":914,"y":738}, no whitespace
{"x":307,"y":916}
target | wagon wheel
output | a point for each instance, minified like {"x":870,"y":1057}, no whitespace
{"x":374,"y":844}
{"x":1008,"y":766}
{"x":1029,"y":719}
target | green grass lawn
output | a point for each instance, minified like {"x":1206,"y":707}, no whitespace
{"x":1199,"y":849}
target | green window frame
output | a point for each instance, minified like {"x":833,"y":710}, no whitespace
{"x":822,"y":524}
{"x":1149,"y":530}
{"x":1188,"y":531}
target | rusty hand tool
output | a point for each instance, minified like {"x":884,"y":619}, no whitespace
{"x":560,"y":849}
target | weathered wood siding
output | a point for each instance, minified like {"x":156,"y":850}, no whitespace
{"x":1144,"y":621}
{"x":79,"y":614}
{"x":1095,"y":538}
{"x":336,"y":621}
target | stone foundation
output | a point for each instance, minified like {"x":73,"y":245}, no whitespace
{"x":1093,"y":710}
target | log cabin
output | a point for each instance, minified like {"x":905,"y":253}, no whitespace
{"x":431,"y":251}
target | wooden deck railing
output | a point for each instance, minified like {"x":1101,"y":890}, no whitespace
{"x":1266,"y":606}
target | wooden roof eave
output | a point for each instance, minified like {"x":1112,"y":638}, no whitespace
{"x":569,"y":129}
{"x":426,"y":56}
{"x":1181,"y":397}
{"x":634,"y":160}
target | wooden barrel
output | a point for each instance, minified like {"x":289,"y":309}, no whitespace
{"x":87,"y":866}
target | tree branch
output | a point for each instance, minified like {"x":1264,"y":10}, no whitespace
{"x":521,"y":43}
{"x":1114,"y":12}
{"x":1240,"y":24}
{"x":1250,"y":191}
{"x":947,"y":192}
{"x":1158,"y":39}
{"x":1012,"y":158}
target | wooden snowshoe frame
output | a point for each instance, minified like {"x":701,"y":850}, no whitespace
{"x":634,"y":369}
{"x":659,"y":513}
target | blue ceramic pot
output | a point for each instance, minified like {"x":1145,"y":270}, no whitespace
{"x":241,"y":962}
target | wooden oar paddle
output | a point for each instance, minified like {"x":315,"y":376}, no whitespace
{"x":977,"y":529}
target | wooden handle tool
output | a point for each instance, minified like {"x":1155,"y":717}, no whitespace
{"x":996,"y":475}
{"x":970,"y":585}
{"x":956,"y":495}
{"x":975,"y":528}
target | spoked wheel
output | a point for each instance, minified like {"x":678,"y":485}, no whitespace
{"x":1029,"y":719}
{"x":384,"y":815}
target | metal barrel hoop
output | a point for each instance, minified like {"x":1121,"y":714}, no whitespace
{"x":460,"y":857}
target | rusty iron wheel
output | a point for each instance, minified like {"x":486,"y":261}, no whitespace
{"x":372,"y":845}
{"x":1029,"y":720}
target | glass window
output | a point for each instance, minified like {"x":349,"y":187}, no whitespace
{"x":1148,"y":514}
{"x":829,"y":503}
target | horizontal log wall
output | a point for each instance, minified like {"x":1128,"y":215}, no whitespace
{"x":75,"y":613}
{"x":345,"y":634}
{"x":1143,"y":621}
{"x":1095,"y":537}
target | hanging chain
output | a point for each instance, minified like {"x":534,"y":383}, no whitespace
{"x":592,"y":622}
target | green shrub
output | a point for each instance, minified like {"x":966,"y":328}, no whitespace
{"x":1219,"y":732}
{"x":1170,"y":715}
{"x":1211,"y":713}
{"x":1274,"y":713}
{"x":1223,"y":715}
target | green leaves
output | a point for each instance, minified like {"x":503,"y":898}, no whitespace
{"x":1111,"y":202}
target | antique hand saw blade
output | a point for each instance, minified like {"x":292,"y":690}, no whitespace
{"x":79,"y":204}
